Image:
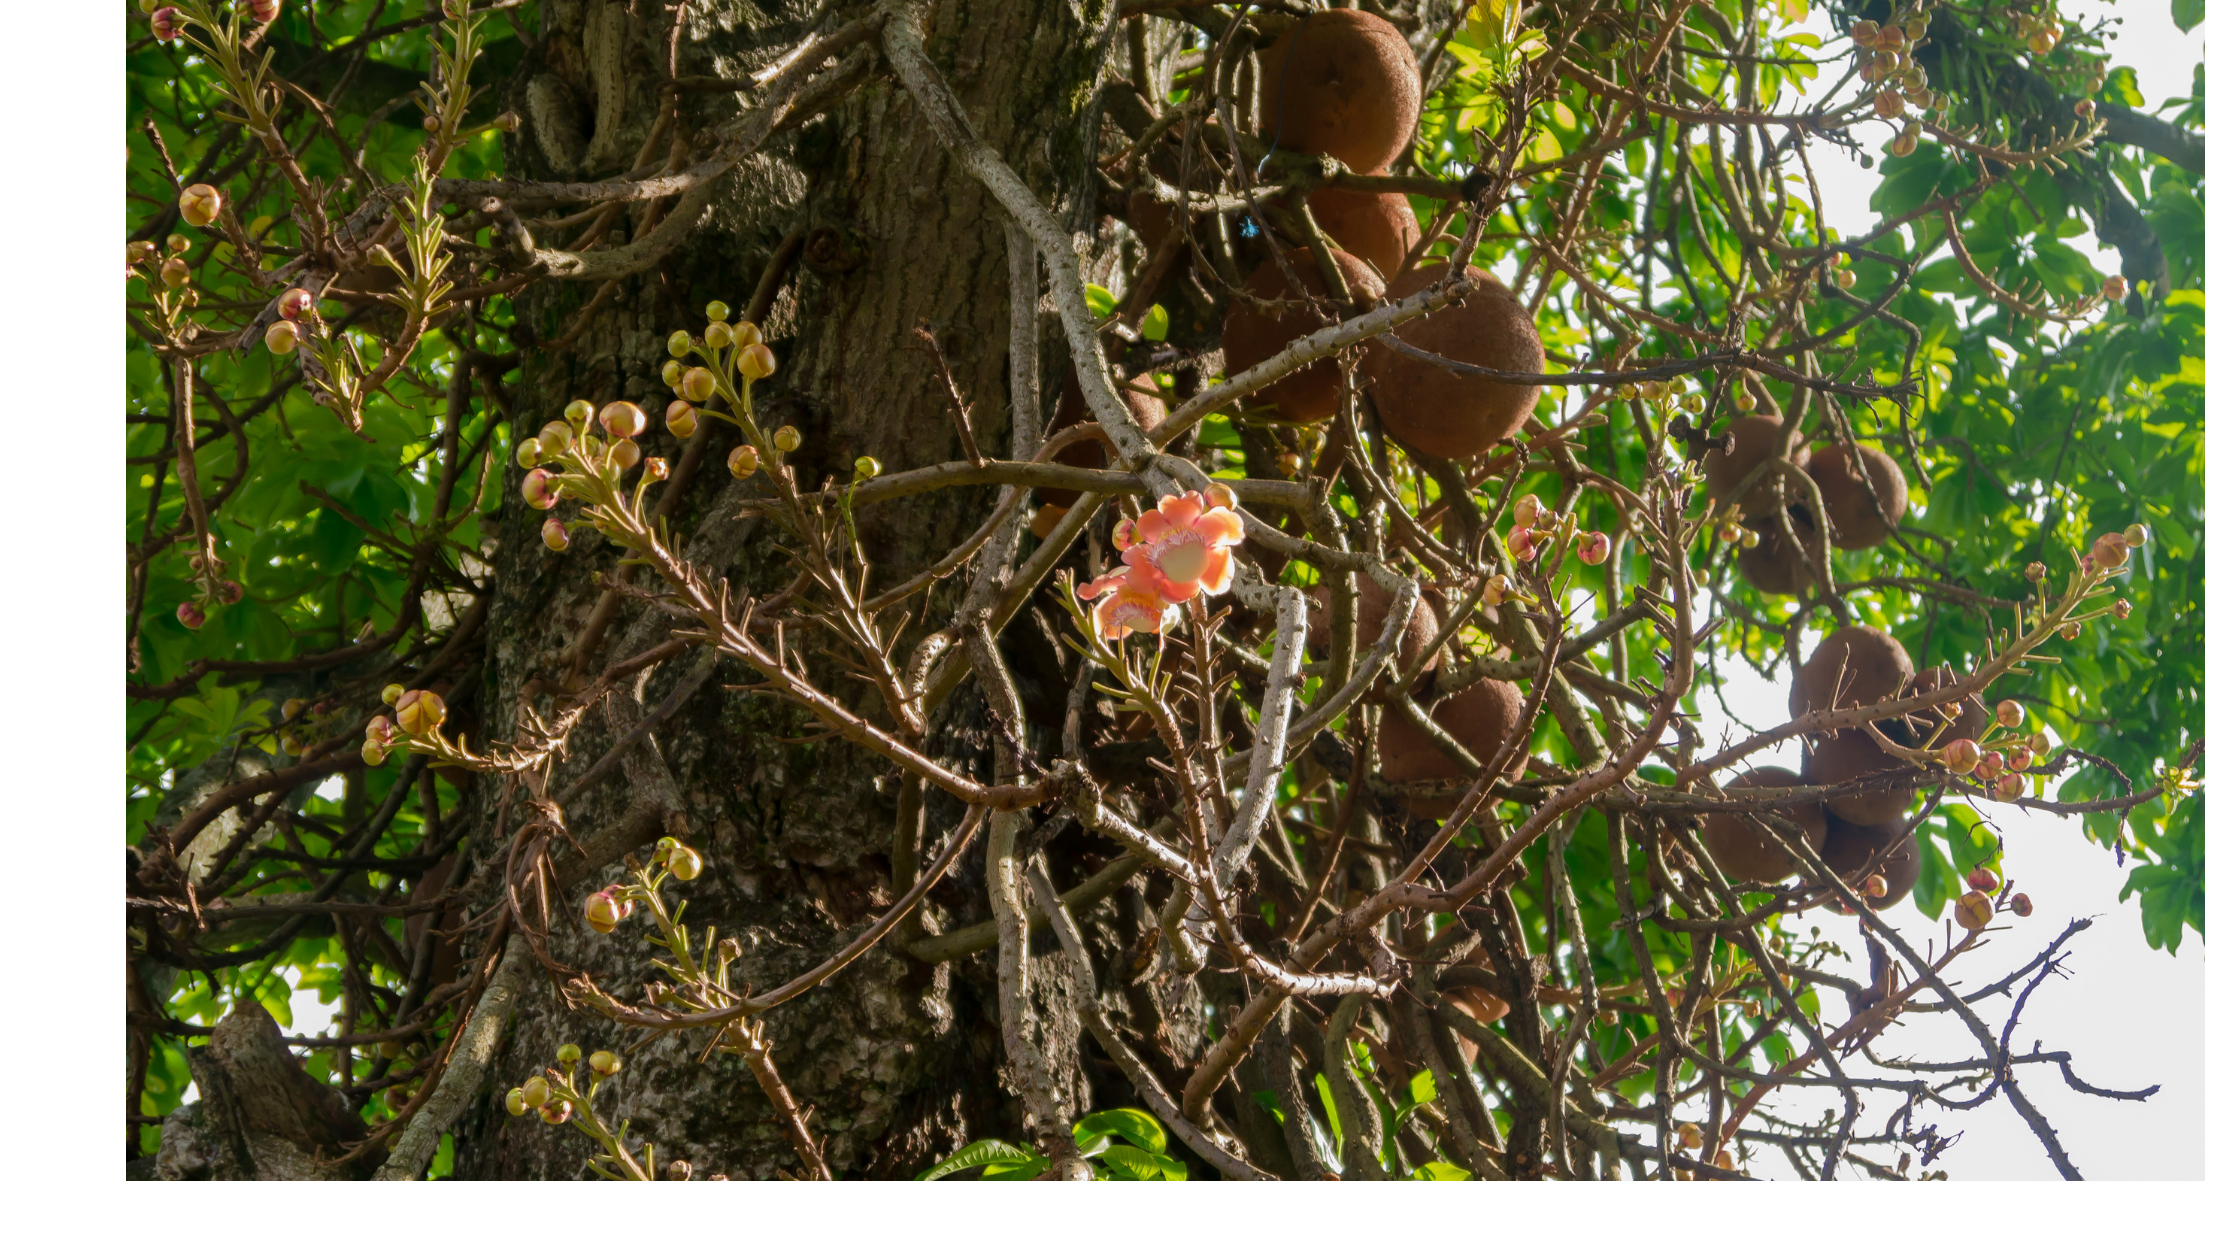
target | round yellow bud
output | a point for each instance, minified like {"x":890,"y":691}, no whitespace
{"x":787,"y":439}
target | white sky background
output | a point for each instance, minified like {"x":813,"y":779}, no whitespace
{"x":2131,"y":1015}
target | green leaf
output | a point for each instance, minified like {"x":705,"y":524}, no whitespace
{"x":1127,"y":1123}
{"x":1436,"y":1171}
{"x":1154,"y":323}
{"x":1129,"y":1164}
{"x":2187,"y":14}
{"x":1101,"y":301}
{"x":977,"y":1155}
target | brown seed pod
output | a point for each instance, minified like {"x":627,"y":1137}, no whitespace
{"x":1853,"y":521}
{"x":1850,"y":853}
{"x":1914,"y":729}
{"x":1870,"y":665}
{"x":1755,"y":438}
{"x":1479,"y":716}
{"x":1371,"y":604}
{"x":1853,"y":755}
{"x":1377,"y":228}
{"x":1741,"y":851}
{"x":1309,"y":395}
{"x":1439,"y":412}
{"x":1776,"y":565}
{"x":1344,"y":83}
{"x":1094,"y":452}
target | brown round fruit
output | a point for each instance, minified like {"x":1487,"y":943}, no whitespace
{"x":1854,"y":755}
{"x":1344,"y":83}
{"x":1479,"y":716}
{"x":1439,"y":412}
{"x":1850,"y":853}
{"x":1737,"y":845}
{"x":1870,"y":665}
{"x":1371,"y":605}
{"x":1755,"y":439}
{"x":1776,"y":565}
{"x":1310,"y":395}
{"x":1853,"y":521}
{"x":1914,"y":729}
{"x":1377,"y":228}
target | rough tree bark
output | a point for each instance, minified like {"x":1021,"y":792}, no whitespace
{"x":895,"y":1059}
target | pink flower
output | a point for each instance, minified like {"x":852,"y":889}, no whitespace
{"x":1129,"y":600}
{"x":1185,"y":543}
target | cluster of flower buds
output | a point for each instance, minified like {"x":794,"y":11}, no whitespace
{"x":552,"y":1095}
{"x":2111,"y":551}
{"x":1984,"y":898}
{"x":1731,"y":531}
{"x":2040,"y":31}
{"x":1534,"y":526}
{"x":418,"y":713}
{"x":682,"y":859}
{"x":1887,"y":58}
{"x":1670,"y":394}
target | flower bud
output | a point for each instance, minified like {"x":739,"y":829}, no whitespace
{"x":167,"y":23}
{"x":746,"y":333}
{"x":2019,"y":759}
{"x":190,"y":616}
{"x":1972,"y":911}
{"x":1520,"y":543}
{"x":672,"y":373}
{"x":623,"y":419}
{"x":176,"y":273}
{"x":2034,"y":571}
{"x":657,"y":469}
{"x":567,"y":1054}
{"x":1526,"y":512}
{"x":1874,"y":887}
{"x":1844,"y":278}
{"x":2009,"y":788}
{"x":1729,"y":532}
{"x":680,"y":1170}
{"x":139,"y":253}
{"x":263,"y":11}
{"x":2040,"y":743}
{"x":2122,"y":609}
{"x":1905,"y":144}
{"x":1124,"y":535}
{"x":742,"y":461}
{"x":373,"y":752}
{"x":290,"y":708}
{"x":718,"y":335}
{"x":176,"y":243}
{"x":2135,"y":535}
{"x":1690,"y":1136}
{"x":508,"y":122}
{"x":540,"y":489}
{"x":623,"y":454}
{"x":602,"y":911}
{"x":718,"y":311}
{"x":555,"y":438}
{"x":757,"y":361}
{"x":679,"y":344}
{"x":529,"y":454}
{"x":1961,"y":755}
{"x":2020,"y":904}
{"x":2071,"y":630}
{"x":536,"y":1091}
{"x":1983,"y":880}
{"x":1749,"y":539}
{"x":2042,"y":41}
{"x":296,"y":303}
{"x":683,"y":418}
{"x":391,"y":694}
{"x":2109,"y":551}
{"x":1628,"y":392}
{"x":200,"y":203}
{"x":555,"y":533}
{"x":420,"y":712}
{"x":281,"y":337}
{"x":2009,"y":714}
{"x":515,"y":1103}
{"x":787,"y":439}
{"x":1497,"y":589}
{"x":556,"y":1111}
{"x":684,"y":862}
{"x":2113,"y":288}
{"x":728,"y":950}
{"x":866,"y":468}
{"x":605,"y":1062}
{"x":1594,"y":548}
{"x":2085,"y":109}
{"x":698,"y":384}
{"x":578,"y":411}
{"x":1989,"y":769}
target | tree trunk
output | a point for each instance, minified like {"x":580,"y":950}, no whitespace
{"x":895,"y":1061}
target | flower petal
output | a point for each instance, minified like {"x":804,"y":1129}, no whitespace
{"x":1218,"y":572}
{"x":1220,"y":528}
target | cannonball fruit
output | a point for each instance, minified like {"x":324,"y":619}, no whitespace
{"x":1341,"y":83}
{"x":1851,"y":850}
{"x":1377,"y":228}
{"x":1869,"y":665}
{"x":1742,"y":851}
{"x":1479,"y":717}
{"x":1853,"y":755}
{"x":1755,"y":439}
{"x":1775,"y":565}
{"x":1310,"y":395}
{"x":1371,"y":605}
{"x":1441,"y":413}
{"x":1853,"y":520}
